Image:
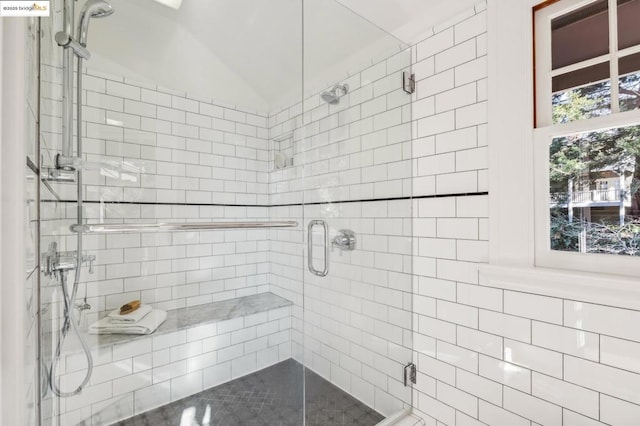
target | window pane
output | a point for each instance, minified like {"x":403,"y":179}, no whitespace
{"x":594,"y":181}
{"x":581,"y":94}
{"x":628,"y":18}
{"x":580,"y":35}
{"x":629,"y":82}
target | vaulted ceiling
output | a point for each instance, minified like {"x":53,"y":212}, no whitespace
{"x":250,"y":52}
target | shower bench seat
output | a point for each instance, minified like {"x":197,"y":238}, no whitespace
{"x":194,"y":349}
{"x":201,"y":315}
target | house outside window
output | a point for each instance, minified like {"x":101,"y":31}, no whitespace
{"x":587,"y":134}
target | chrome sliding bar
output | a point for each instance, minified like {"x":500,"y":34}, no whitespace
{"x":108,"y":228}
{"x":65,"y":40}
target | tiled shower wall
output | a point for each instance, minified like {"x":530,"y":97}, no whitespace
{"x":487,"y":355}
{"x":175,"y":158}
{"x":356,"y":327}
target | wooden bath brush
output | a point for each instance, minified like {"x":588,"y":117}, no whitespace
{"x":129,"y":307}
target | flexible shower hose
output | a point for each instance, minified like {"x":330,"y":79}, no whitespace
{"x":69,"y":322}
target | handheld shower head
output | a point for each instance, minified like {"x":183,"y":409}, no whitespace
{"x":332,"y":97}
{"x":91,"y":9}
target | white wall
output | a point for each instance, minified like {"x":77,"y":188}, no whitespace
{"x":18,"y":356}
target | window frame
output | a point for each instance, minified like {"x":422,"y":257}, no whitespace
{"x":545,"y":131}
{"x":519,"y":263}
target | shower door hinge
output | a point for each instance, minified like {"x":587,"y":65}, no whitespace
{"x":410,"y":374}
{"x":408,"y":82}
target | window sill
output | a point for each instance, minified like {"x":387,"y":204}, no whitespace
{"x":613,"y":290}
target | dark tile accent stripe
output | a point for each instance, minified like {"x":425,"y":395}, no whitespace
{"x":368,"y":200}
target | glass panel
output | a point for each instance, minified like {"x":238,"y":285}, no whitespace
{"x":629,"y":82}
{"x":580,"y":35}
{"x":355,"y":152}
{"x":176,"y":116}
{"x":594,"y":192}
{"x":582,"y":94}
{"x":628,"y":18}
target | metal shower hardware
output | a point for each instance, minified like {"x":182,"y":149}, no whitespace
{"x":345,"y":240}
{"x":408,"y":82}
{"x":332,"y":97}
{"x":325,"y":227}
{"x":60,"y":262}
{"x":65,"y":40}
{"x":108,"y":228}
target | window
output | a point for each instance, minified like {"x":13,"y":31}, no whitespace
{"x":586,"y":141}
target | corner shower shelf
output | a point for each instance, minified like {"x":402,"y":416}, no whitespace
{"x":108,"y":228}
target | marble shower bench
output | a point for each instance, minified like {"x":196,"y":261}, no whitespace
{"x":194,"y":349}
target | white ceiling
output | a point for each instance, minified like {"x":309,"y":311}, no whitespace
{"x":249,"y":52}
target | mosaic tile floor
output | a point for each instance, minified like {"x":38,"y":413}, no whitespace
{"x":272,"y":397}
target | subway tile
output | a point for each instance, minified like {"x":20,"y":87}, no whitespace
{"x":186,"y":385}
{"x":458,"y":314}
{"x":532,"y":306}
{"x":495,"y":415}
{"x":506,"y":373}
{"x":617,"y":412}
{"x":533,"y":357}
{"x":437,"y":369}
{"x":151,"y":397}
{"x":471,"y":27}
{"x":476,"y":385}
{"x":457,"y":356}
{"x":122,"y":90}
{"x":458,"y":399}
{"x":600,"y":319}
{"x":435,"y":44}
{"x":602,"y":378}
{"x":620,"y":353}
{"x":515,"y":328}
{"x":566,"y":395}
{"x":566,"y":340}
{"x":532,"y":408}
{"x":456,"y":98}
{"x":471,"y":115}
{"x":569,"y":418}
{"x":478,"y":341}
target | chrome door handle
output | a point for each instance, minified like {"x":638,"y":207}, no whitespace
{"x":325,"y":226}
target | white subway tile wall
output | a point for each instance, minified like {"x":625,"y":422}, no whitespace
{"x":487,"y":355}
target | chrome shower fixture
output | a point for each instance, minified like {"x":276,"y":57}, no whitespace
{"x":332,"y":97}
{"x":91,"y":9}
{"x":77,"y":45}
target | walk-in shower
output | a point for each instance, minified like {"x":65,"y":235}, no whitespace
{"x":266,"y":317}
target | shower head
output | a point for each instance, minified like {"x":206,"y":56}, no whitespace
{"x":332,"y":97}
{"x":91,"y":9}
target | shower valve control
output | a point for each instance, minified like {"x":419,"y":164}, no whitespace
{"x":55,"y":262}
{"x":345,"y":240}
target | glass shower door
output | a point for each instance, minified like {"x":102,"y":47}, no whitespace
{"x":355,"y":152}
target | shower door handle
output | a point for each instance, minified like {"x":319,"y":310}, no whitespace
{"x":325,"y":227}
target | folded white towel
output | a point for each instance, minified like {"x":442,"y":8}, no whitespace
{"x":147,"y":325}
{"x":133,"y":317}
